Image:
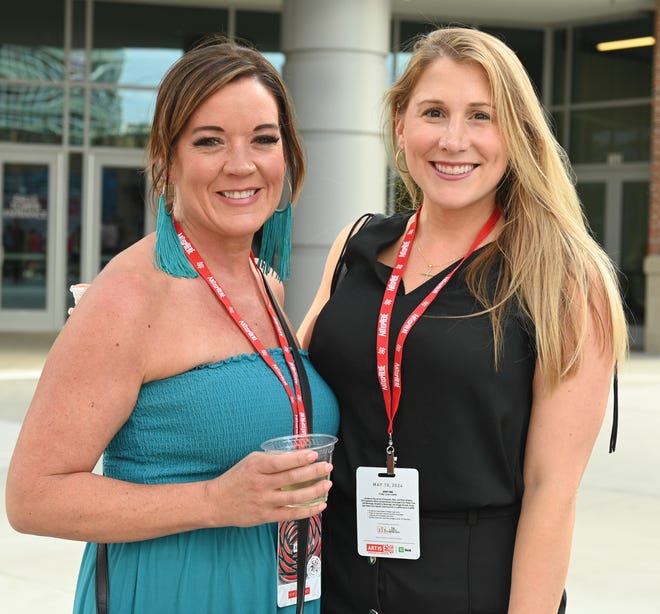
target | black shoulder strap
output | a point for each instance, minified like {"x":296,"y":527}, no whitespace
{"x":340,"y":267}
{"x":293,"y":344}
{"x":102,"y":582}
{"x":615,"y":411}
{"x":302,"y":525}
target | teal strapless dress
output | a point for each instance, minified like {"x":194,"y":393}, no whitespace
{"x":190,"y":427}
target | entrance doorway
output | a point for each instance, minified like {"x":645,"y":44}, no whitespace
{"x":62,"y":219}
{"x":616,"y":203}
{"x":116,"y":212}
{"x":30,"y":257}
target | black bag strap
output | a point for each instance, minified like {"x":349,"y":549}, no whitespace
{"x":302,"y":526}
{"x":102,"y":581}
{"x":340,"y":267}
{"x":295,"y":352}
{"x":615,"y":411}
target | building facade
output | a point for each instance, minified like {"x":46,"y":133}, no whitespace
{"x":77,"y":86}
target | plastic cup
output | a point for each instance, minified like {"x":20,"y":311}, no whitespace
{"x":78,"y":290}
{"x":321,"y":443}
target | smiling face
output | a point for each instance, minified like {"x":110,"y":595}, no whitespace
{"x":450,"y":137}
{"x":228,"y":165}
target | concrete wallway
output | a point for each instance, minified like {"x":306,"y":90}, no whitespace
{"x":615,"y":564}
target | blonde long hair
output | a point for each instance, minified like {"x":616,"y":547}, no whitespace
{"x":551,"y":265}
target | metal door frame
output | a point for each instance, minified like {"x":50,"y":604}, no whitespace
{"x":93,"y":166}
{"x":50,"y":318}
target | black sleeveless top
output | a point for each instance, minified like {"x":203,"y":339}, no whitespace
{"x":461,"y":423}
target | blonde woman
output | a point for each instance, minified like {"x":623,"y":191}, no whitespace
{"x":471,"y":345}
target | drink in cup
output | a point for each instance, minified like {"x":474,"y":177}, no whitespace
{"x":321,"y":443}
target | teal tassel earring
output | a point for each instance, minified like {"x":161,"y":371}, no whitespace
{"x":275,"y":250}
{"x":275,"y":246}
{"x":168,"y":253}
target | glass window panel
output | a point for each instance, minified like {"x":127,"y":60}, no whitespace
{"x":35,"y":64}
{"x":612,"y":75}
{"x":596,"y":133}
{"x":592,"y":196}
{"x":528,"y":45}
{"x":74,"y":221}
{"x":76,"y":116}
{"x":261,"y":28}
{"x":557,"y":122}
{"x":121,"y":117}
{"x":31,"y":114}
{"x":277,"y":59}
{"x":559,"y":66}
{"x":24,"y":234}
{"x":390,"y":66}
{"x":78,"y":57}
{"x":402,"y":59}
{"x":122,"y":210}
{"x":32,"y":35}
{"x":634,"y":240}
{"x":410,"y":30}
{"x":134,"y":44}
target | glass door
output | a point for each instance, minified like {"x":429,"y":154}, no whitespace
{"x":117,"y":211}
{"x":30,"y":222}
{"x":634,"y":246}
{"x":616,"y":204}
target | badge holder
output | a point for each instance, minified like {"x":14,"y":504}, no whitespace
{"x":288,"y":560}
{"x":388,"y":510}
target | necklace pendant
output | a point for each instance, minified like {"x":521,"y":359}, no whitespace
{"x":428,"y":273}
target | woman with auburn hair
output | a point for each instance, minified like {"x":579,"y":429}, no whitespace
{"x":471,"y":344}
{"x":176,"y":366}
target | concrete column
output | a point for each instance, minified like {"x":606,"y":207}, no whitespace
{"x":335,"y":70}
{"x":652,"y":337}
{"x":652,"y":261}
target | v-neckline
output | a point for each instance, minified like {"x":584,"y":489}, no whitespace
{"x":432,"y":281}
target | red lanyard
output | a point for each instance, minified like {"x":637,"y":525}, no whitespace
{"x":299,"y":417}
{"x":393,"y":395}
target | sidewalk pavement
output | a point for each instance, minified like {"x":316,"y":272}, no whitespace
{"x":615,"y":565}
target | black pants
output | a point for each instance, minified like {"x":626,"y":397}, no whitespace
{"x":465,"y":568}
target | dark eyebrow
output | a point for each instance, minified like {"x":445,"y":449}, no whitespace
{"x":258,"y":128}
{"x":266,"y":127}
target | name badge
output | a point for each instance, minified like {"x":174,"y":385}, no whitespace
{"x":388,"y":513}
{"x":287,"y":562}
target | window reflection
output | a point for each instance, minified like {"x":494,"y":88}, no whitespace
{"x":612,"y":75}
{"x":121,"y":117}
{"x":132,"y":66}
{"x":134,"y":44}
{"x":596,"y":133}
{"x":31,"y":113}
{"x":32,"y":40}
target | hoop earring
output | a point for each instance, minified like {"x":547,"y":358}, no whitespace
{"x":397,"y":162}
{"x":275,"y":248}
{"x":168,"y":254}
